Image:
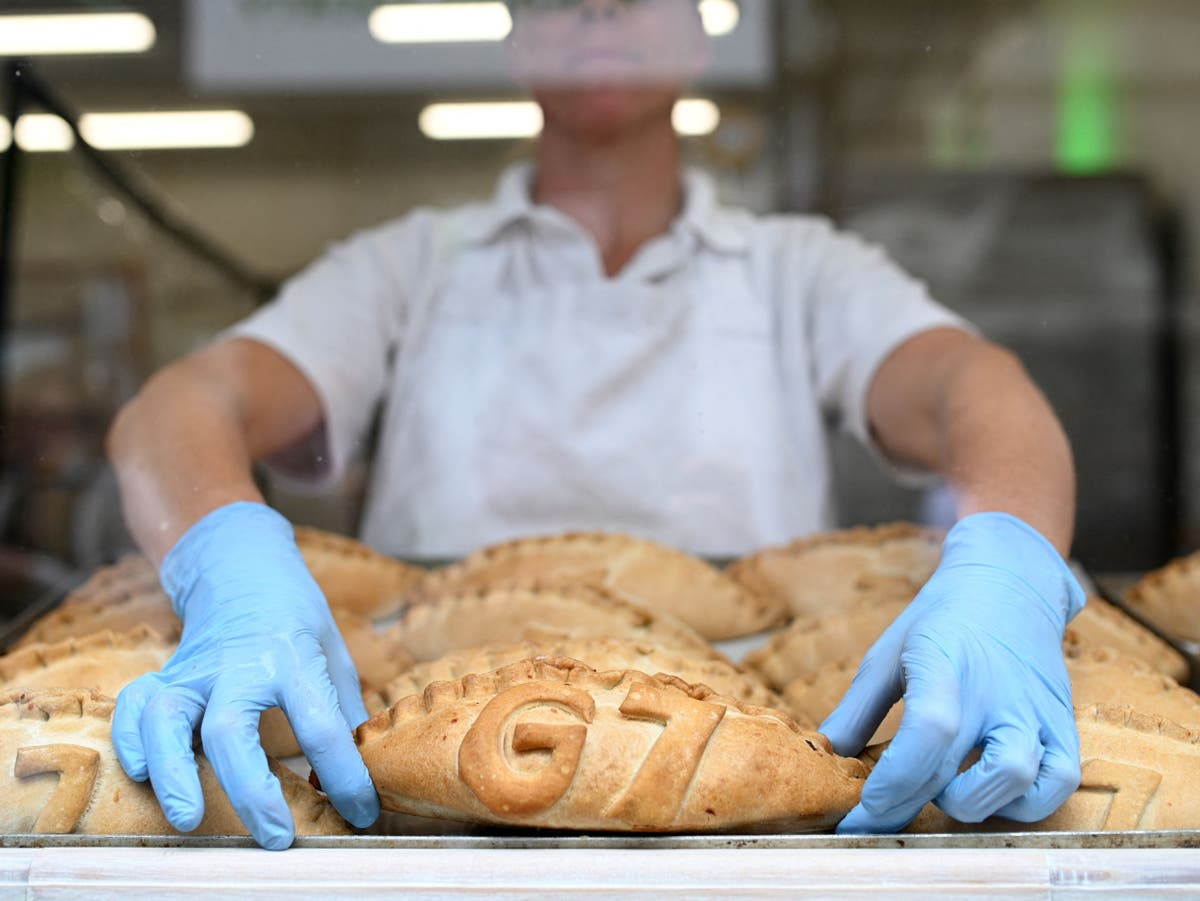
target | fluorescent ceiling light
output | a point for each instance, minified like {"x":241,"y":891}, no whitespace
{"x":39,"y":132}
{"x":695,"y":116}
{"x":523,"y":119}
{"x":423,"y":23}
{"x":132,"y":131}
{"x":464,"y":121}
{"x":720,"y":16}
{"x":167,"y":130}
{"x":37,"y":35}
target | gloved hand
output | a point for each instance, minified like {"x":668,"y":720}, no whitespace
{"x":978,"y":658}
{"x":257,"y":633}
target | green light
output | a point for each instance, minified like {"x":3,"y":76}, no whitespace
{"x":1086,"y":132}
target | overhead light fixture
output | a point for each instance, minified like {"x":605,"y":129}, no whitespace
{"x":719,"y":16}
{"x":467,"y":121}
{"x":40,"y":35}
{"x":523,"y":119}
{"x":167,"y":130}
{"x":42,"y":132}
{"x":695,"y":116}
{"x":425,"y":23}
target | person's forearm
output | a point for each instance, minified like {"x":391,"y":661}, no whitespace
{"x":964,"y":407}
{"x":1002,"y":447}
{"x":180,"y":451}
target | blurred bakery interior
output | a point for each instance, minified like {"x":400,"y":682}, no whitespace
{"x":1032,"y":160}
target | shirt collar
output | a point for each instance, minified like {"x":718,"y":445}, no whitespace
{"x":702,"y":213}
{"x":706,"y":218}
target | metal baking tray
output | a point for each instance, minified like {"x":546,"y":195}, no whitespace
{"x":525,"y":841}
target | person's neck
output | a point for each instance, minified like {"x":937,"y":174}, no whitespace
{"x":623,"y":192}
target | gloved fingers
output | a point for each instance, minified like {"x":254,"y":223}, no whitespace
{"x":1006,"y":770}
{"x":168,"y":726}
{"x":920,"y":761}
{"x":1058,"y":777}
{"x":876,"y":687}
{"x":344,"y":675}
{"x":328,"y":743}
{"x":230,"y":735}
{"x":127,"y":724}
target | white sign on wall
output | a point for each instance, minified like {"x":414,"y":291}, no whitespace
{"x":325,"y":45}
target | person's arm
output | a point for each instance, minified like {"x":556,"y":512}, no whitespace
{"x":965,"y":408}
{"x":977,"y":655}
{"x":184,"y":445}
{"x":257,"y":632}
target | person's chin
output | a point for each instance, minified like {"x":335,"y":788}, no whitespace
{"x":605,"y":110}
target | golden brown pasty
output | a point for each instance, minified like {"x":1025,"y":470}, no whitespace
{"x":120,"y":597}
{"x":1107,"y":676}
{"x":59,"y":774}
{"x":1100,"y":624}
{"x":653,"y":575}
{"x":1169,"y":598}
{"x":1140,"y":771}
{"x":813,"y":696}
{"x":377,"y":655}
{"x":811,"y":642}
{"x":506,"y":615}
{"x":1099,"y":675}
{"x":554,"y":743}
{"x":132,"y":574}
{"x":599,"y":653}
{"x":832,"y":571}
{"x":353,"y":576}
{"x":104,"y":662}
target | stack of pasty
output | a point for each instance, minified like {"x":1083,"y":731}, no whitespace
{"x":570,"y":682}
{"x":119,"y":625}
{"x":645,"y":573}
{"x":1169,"y":598}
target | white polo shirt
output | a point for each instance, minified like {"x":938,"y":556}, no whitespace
{"x":687,"y":399}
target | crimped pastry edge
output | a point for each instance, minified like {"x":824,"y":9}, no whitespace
{"x":40,"y":655}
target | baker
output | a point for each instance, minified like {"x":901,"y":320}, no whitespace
{"x":602,"y":344}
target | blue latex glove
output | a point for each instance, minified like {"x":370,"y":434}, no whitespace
{"x":978,"y":658}
{"x":257,"y":633}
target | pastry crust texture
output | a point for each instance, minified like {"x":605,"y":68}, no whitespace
{"x":1101,"y":675}
{"x":1140,"y":771}
{"x":119,"y":597}
{"x":430,"y":630}
{"x":59,"y":774}
{"x":1102,"y":624}
{"x":104,"y":662}
{"x":355,"y":577}
{"x":812,"y":642}
{"x":598,"y":653}
{"x":653,"y":575}
{"x":813,"y":696}
{"x":833,"y":571}
{"x":1168,"y":598}
{"x":553,"y":743}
